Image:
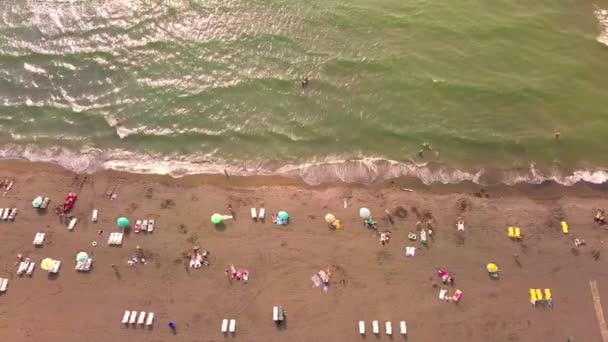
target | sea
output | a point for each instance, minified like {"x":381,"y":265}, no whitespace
{"x":445,"y":91}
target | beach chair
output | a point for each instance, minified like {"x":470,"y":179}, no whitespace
{"x":142,"y":317}
{"x":517,"y":233}
{"x":132,"y":317}
{"x":13,"y":214}
{"x":533,"y":298}
{"x":7,"y":211}
{"x":262,"y":214}
{"x":442,"y":294}
{"x":457,"y":295}
{"x":224,"y":325}
{"x":362,"y":327}
{"x":539,"y":296}
{"x":55,"y":269}
{"x":388,"y":327}
{"x":1,"y":212}
{"x":403,"y":328}
{"x":45,"y":203}
{"x":548,"y":298}
{"x":151,"y":225}
{"x":150,"y":318}
{"x":23,"y":267}
{"x":72,"y":224}
{"x":277,"y":314}
{"x":3,"y":284}
{"x":511,"y":232}
{"x":254,"y":214}
{"x":232,"y":326}
{"x":375,"y":327}
{"x":144,"y":225}
{"x":125,"y":317}
{"x":95,"y":215}
{"x":30,"y":269}
{"x":564,"y":227}
{"x":38,"y":239}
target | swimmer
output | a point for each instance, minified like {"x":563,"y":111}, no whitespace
{"x":305,"y":81}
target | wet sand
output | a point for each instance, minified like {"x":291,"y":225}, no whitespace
{"x":370,"y":281}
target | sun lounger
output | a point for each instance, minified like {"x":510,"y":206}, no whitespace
{"x":45,"y":203}
{"x":362,"y":327}
{"x":142,"y":317}
{"x":30,"y":268}
{"x":150,"y":318}
{"x":137,"y":226}
{"x":232,"y":326}
{"x":403,"y":328}
{"x":115,"y":239}
{"x":410,"y":251}
{"x":517,"y":233}
{"x":132,"y":317}
{"x":511,"y":232}
{"x":442,"y":294}
{"x":144,"y":225}
{"x":548,"y":297}
{"x":533,"y":298}
{"x":56,"y":268}
{"x":23,"y":267}
{"x":277,"y":314}
{"x":125,"y":317}
{"x":375,"y":327}
{"x":72,"y":224}
{"x":7,"y":211}
{"x":262,"y":214}
{"x":95,"y":215}
{"x":564,"y":227}
{"x":13,"y":214}
{"x":151,"y":226}
{"x":457,"y":295}
{"x":388,"y":327}
{"x":3,"y":284}
{"x":1,"y":212}
{"x":254,"y":214}
{"x":224,"y":325}
{"x":38,"y":239}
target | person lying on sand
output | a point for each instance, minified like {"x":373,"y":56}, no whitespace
{"x":460,"y":225}
{"x":385,"y":237}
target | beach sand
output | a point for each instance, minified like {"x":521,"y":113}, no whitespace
{"x":370,"y":281}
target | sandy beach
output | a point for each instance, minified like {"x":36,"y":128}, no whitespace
{"x":370,"y":281}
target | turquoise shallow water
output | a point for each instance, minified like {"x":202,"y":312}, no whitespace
{"x":197,"y":86}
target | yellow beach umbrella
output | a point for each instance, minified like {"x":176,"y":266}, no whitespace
{"x":47,"y":264}
{"x":330,"y":218}
{"x":492,"y":268}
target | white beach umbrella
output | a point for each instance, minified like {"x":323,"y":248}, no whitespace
{"x":364,"y":213}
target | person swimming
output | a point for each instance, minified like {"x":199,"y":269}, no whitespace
{"x":305,"y":81}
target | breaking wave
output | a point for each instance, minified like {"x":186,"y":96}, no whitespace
{"x":366,"y":170}
{"x":602,"y":18}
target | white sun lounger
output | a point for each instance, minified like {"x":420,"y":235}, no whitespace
{"x":388,"y":327}
{"x":45,"y":203}
{"x":277,"y":314}
{"x":1,"y":212}
{"x":56,"y":268}
{"x":151,"y":225}
{"x":142,"y":317}
{"x":7,"y":211}
{"x":13,"y":213}
{"x":262,"y":213}
{"x":125,"y":317}
{"x":30,"y":268}
{"x":150,"y":318}
{"x":403,"y":328}
{"x":442,"y":294}
{"x":3,"y":284}
{"x":375,"y":327}
{"x":254,"y":214}
{"x":144,"y":225}
{"x":362,"y":327}
{"x":224,"y":325}
{"x":23,"y":267}
{"x":95,"y":215}
{"x":232,"y":327}
{"x":133,"y":317}
{"x":38,"y":239}
{"x":72,"y":224}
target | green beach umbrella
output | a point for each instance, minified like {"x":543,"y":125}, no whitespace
{"x":283,"y":215}
{"x":216,"y":218}
{"x":82,"y":257}
{"x":122,"y":222}
{"x":37,"y":202}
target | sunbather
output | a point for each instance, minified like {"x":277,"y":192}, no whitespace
{"x":460,"y":225}
{"x":445,"y":277}
{"x":370,"y":223}
{"x":385,"y":237}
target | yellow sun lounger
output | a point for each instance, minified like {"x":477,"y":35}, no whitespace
{"x":539,"y":295}
{"x":564,"y":227}
{"x":548,"y":297}
{"x":533,"y":297}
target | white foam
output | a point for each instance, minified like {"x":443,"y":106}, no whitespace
{"x":602,"y":18}
{"x":33,"y":68}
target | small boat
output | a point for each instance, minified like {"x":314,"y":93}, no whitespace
{"x":69,"y":202}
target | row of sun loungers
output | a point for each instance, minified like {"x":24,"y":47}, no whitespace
{"x":228,"y":327}
{"x":3,"y":284}
{"x":536,"y":297}
{"x":388,"y":327}
{"x":8,"y":213}
{"x":145,"y":225}
{"x":115,"y":239}
{"x":38,"y":239}
{"x":255,"y":215}
{"x":26,"y":267}
{"x":84,"y":266}
{"x":130,"y":317}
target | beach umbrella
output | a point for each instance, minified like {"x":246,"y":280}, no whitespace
{"x":330,"y":218}
{"x":216,"y":218}
{"x":122,"y":222}
{"x":37,"y":202}
{"x":492,"y":268}
{"x":47,"y":264}
{"x":283,"y":215}
{"x":82,"y":257}
{"x":364,"y":213}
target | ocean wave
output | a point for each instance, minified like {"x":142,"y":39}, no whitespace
{"x":602,"y":18}
{"x":364,"y":170}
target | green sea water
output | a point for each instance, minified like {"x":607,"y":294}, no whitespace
{"x":205,"y":82}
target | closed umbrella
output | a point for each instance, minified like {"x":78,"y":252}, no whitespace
{"x":364,"y":213}
{"x":37,"y":202}
{"x":492,"y":268}
{"x":47,"y":264}
{"x":216,"y":218}
{"x":330,"y":218}
{"x":283,"y":215}
{"x":122,"y":222}
{"x":82,"y":257}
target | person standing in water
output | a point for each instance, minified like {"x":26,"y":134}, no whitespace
{"x":556,"y":134}
{"x":305,"y":81}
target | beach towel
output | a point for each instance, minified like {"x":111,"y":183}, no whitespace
{"x":410,"y":251}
